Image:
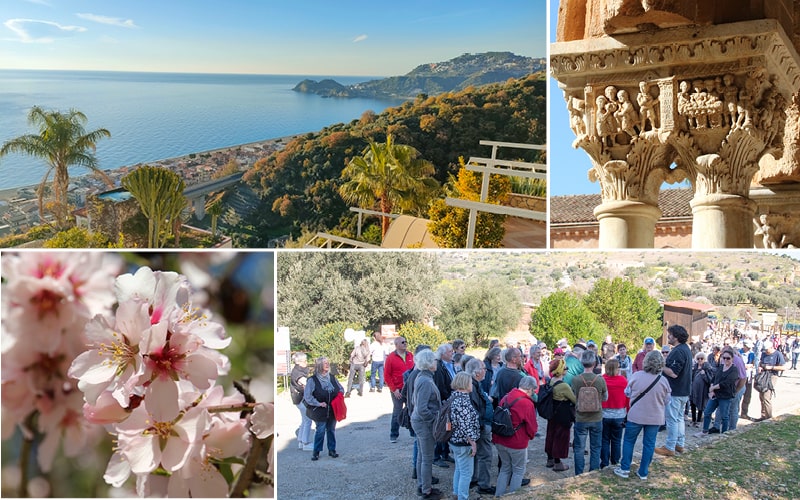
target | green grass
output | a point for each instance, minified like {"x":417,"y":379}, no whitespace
{"x":761,"y":462}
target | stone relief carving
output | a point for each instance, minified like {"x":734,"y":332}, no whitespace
{"x":777,"y":230}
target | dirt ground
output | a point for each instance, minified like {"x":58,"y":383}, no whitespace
{"x":369,"y":466}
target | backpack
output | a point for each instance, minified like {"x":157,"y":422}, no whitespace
{"x":546,"y":405}
{"x":442,"y":425}
{"x":763,"y":381}
{"x":588,"y":398}
{"x":501,"y":420}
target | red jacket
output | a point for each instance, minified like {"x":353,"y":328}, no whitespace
{"x":616,"y":392}
{"x":522,"y":412}
{"x":393,"y":368}
{"x":533,"y":372}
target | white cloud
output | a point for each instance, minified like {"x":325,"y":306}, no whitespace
{"x":112,"y":21}
{"x":359,"y":38}
{"x":40,"y":2}
{"x":36,"y":31}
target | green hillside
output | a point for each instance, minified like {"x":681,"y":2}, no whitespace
{"x":298,"y":185}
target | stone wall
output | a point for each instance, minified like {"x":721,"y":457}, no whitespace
{"x":535,"y":203}
{"x":582,"y":19}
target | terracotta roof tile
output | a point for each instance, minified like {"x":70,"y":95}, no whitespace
{"x":571,"y":209}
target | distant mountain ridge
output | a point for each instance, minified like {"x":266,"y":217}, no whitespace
{"x":434,"y":78}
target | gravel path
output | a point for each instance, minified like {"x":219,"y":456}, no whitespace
{"x":369,"y":466}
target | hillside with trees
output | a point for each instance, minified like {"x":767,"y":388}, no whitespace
{"x":299,"y":186}
{"x":434,"y":78}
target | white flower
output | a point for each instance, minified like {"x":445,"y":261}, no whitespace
{"x":262,"y":421}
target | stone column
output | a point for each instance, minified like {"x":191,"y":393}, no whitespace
{"x":722,"y":221}
{"x":627,"y":224}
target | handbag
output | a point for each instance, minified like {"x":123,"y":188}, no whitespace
{"x":339,"y":408}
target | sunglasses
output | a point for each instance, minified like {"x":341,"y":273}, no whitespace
{"x":726,"y":357}
{"x":403,"y":342}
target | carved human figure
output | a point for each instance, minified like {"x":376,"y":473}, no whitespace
{"x":769,"y":235}
{"x":576,"y":108}
{"x":729,"y":93}
{"x":743,"y":107}
{"x":713,"y":104}
{"x":626,"y":115}
{"x":685,"y":104}
{"x":698,"y":104}
{"x":605,"y":123}
{"x":647,"y":107}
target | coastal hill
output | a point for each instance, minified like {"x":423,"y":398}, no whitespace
{"x":433,"y":78}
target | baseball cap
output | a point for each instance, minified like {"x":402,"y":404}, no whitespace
{"x":665,"y":348}
{"x":649,"y":340}
{"x":591,"y":343}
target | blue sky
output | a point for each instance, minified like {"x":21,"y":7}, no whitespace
{"x":568,"y":167}
{"x":315,"y":37}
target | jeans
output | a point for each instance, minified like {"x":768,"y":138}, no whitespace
{"x":397,"y":407}
{"x":632,"y":431}
{"x":733,"y":413}
{"x":325,"y":428}
{"x":594,"y":430}
{"x":377,"y":367}
{"x":724,"y":406}
{"x":481,"y":472}
{"x":795,"y":355}
{"x":509,"y":479}
{"x":611,"y":449}
{"x":676,"y":427}
{"x":425,"y":442}
{"x":463,"y":472}
{"x":304,"y":433}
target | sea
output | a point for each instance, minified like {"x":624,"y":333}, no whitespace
{"x":154,"y":116}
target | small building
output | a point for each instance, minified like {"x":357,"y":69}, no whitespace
{"x":691,"y":315}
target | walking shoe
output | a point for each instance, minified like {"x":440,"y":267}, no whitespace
{"x":473,"y":484}
{"x":487,"y":491}
{"x":525,"y":481}
{"x":713,"y":430}
{"x":434,"y":494}
{"x":361,"y":394}
{"x":679,"y":449}
{"x":622,"y":473}
{"x":664,"y":451}
{"x":550,"y":462}
{"x":299,"y":445}
{"x":380,"y":390}
{"x":315,"y":456}
{"x":434,"y":480}
{"x":745,"y":417}
{"x":308,"y":447}
{"x":643,"y":478}
{"x":441,"y":463}
{"x":333,"y":454}
{"x":347,"y":394}
{"x":392,"y":440}
{"x":371,"y":389}
{"x":560,"y":467}
{"x":700,"y":434}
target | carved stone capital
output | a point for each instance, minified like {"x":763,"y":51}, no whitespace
{"x":639,"y":175}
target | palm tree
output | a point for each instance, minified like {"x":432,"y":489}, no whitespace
{"x":160,"y":195}
{"x":62,"y":142}
{"x":214,"y":208}
{"x":392,"y":175}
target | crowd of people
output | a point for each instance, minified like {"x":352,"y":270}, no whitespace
{"x":602,"y":399}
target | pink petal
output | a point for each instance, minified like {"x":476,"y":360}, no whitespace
{"x":161,"y":400}
{"x":117,"y":471}
{"x":143,"y":454}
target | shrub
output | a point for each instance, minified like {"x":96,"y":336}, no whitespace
{"x":420,"y":333}
{"x":328,"y":341}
